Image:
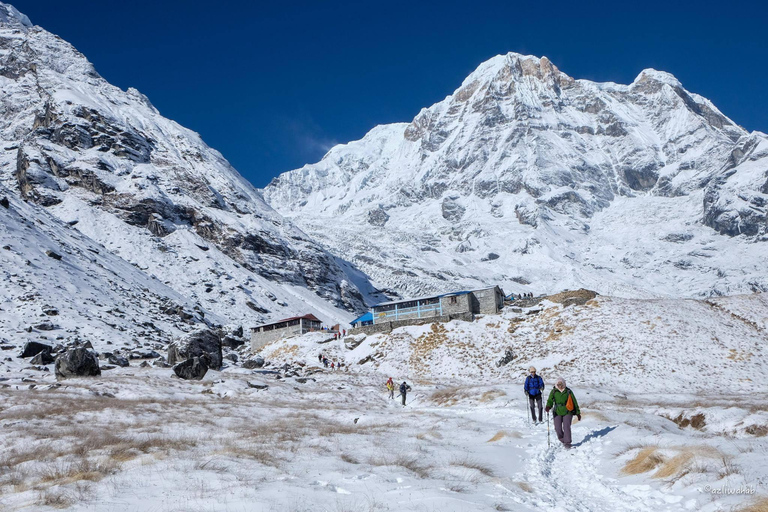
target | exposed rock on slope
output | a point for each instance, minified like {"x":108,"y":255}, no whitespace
{"x":106,"y":162}
{"x":632,"y":189}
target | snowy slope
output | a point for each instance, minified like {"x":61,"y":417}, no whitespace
{"x":151,"y":191}
{"x":628,"y":345}
{"x":531,"y":179}
{"x":88,"y":295}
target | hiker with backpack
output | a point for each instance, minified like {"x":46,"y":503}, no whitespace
{"x":562,"y":399}
{"x":404,"y":389}
{"x":534,"y":389}
{"x":391,"y":388}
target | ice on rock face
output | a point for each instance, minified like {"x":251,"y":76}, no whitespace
{"x":572,"y":183}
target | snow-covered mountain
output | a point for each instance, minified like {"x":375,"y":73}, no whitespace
{"x":151,"y":192}
{"x":529,"y":178}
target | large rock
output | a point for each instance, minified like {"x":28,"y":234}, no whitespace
{"x":42,"y":358}
{"x":77,"y":362}
{"x":193,"y":368}
{"x":32,"y":348}
{"x":205,"y":343}
{"x":256,"y":362}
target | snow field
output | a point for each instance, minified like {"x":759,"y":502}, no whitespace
{"x":140,"y":440}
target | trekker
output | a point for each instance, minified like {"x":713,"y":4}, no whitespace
{"x":404,"y":389}
{"x":534,"y":389}
{"x":566,"y":407}
{"x":391,"y":388}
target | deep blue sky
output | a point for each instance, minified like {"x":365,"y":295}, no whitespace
{"x":273,"y":85}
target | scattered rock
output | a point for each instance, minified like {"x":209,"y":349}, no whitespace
{"x":193,"y":368}
{"x":118,"y":360}
{"x":32,"y":348}
{"x":508,"y":357}
{"x":144,"y":354}
{"x":77,"y":362}
{"x":232,"y":341}
{"x":5,"y":203}
{"x":50,"y":310}
{"x":204,"y":343}
{"x":46,"y":326}
{"x":53,"y":254}
{"x":256,"y":362}
{"x":43,"y":357}
{"x":257,"y":386}
{"x":232,"y":357}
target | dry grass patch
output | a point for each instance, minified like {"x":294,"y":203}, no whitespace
{"x":501,"y":434}
{"x":84,"y":469}
{"x":474,"y":464}
{"x":449,"y":396}
{"x":647,"y":458}
{"x":492,"y":395}
{"x":675,"y":466}
{"x":757,"y":430}
{"x":758,"y":505}
{"x":524,"y":486}
{"x":56,"y":498}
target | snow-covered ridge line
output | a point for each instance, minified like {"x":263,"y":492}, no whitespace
{"x":152,"y":192}
{"x":531,"y":179}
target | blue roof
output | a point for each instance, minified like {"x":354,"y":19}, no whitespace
{"x":368,"y":317}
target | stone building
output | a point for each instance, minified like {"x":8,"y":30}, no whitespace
{"x":267,"y":333}
{"x":462,"y":305}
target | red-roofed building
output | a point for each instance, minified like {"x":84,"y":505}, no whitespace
{"x":294,"y":326}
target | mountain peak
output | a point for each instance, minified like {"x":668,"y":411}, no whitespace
{"x":650,"y":74}
{"x":9,"y":15}
{"x":514,"y":65}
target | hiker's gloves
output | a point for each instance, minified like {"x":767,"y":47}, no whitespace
{"x":547,"y":409}
{"x":579,"y":416}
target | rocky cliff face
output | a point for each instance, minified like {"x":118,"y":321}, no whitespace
{"x":152,"y":192}
{"x":528,"y":177}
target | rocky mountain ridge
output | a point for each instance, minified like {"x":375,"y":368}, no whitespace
{"x":527,"y":177}
{"x":107,"y":163}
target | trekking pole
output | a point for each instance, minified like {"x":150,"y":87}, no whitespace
{"x":527,"y":412}
{"x":548,"y":445}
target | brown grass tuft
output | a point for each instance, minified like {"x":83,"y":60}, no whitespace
{"x":646,"y":459}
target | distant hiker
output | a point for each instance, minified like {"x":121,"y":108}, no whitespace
{"x":333,"y":365}
{"x":566,"y":407}
{"x":345,"y":332}
{"x":391,"y":388}
{"x":320,"y":358}
{"x":404,"y":389}
{"x":534,"y":388}
{"x":325,"y":362}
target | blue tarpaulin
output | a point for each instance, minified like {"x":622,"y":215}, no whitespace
{"x":368,"y":317}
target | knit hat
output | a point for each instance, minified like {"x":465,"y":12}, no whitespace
{"x":559,"y":380}
{"x":532,"y":369}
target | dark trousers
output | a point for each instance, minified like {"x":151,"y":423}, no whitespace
{"x":403,"y":395}
{"x":533,"y":400}
{"x":563,"y":429}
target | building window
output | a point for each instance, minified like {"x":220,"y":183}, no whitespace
{"x":454,"y":300}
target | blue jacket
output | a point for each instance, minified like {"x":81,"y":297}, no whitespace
{"x":404,"y":388}
{"x":534,"y":385}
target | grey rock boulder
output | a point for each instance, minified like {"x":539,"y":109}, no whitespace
{"x":42,"y":358}
{"x":193,"y":368}
{"x":204,"y":343}
{"x":77,"y":362}
{"x":118,"y":360}
{"x":256,"y":362}
{"x":32,"y":348}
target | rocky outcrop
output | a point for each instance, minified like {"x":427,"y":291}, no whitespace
{"x":204,"y":344}
{"x":193,"y":368}
{"x":77,"y":362}
{"x":32,"y":348}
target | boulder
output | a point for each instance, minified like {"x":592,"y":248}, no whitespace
{"x":77,"y":362}
{"x":42,"y":358}
{"x":256,"y":362}
{"x":193,"y":368}
{"x":118,"y":360}
{"x":32,"y":348}
{"x":232,"y":341}
{"x":204,"y":343}
{"x":232,"y":357}
{"x":509,"y":355}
